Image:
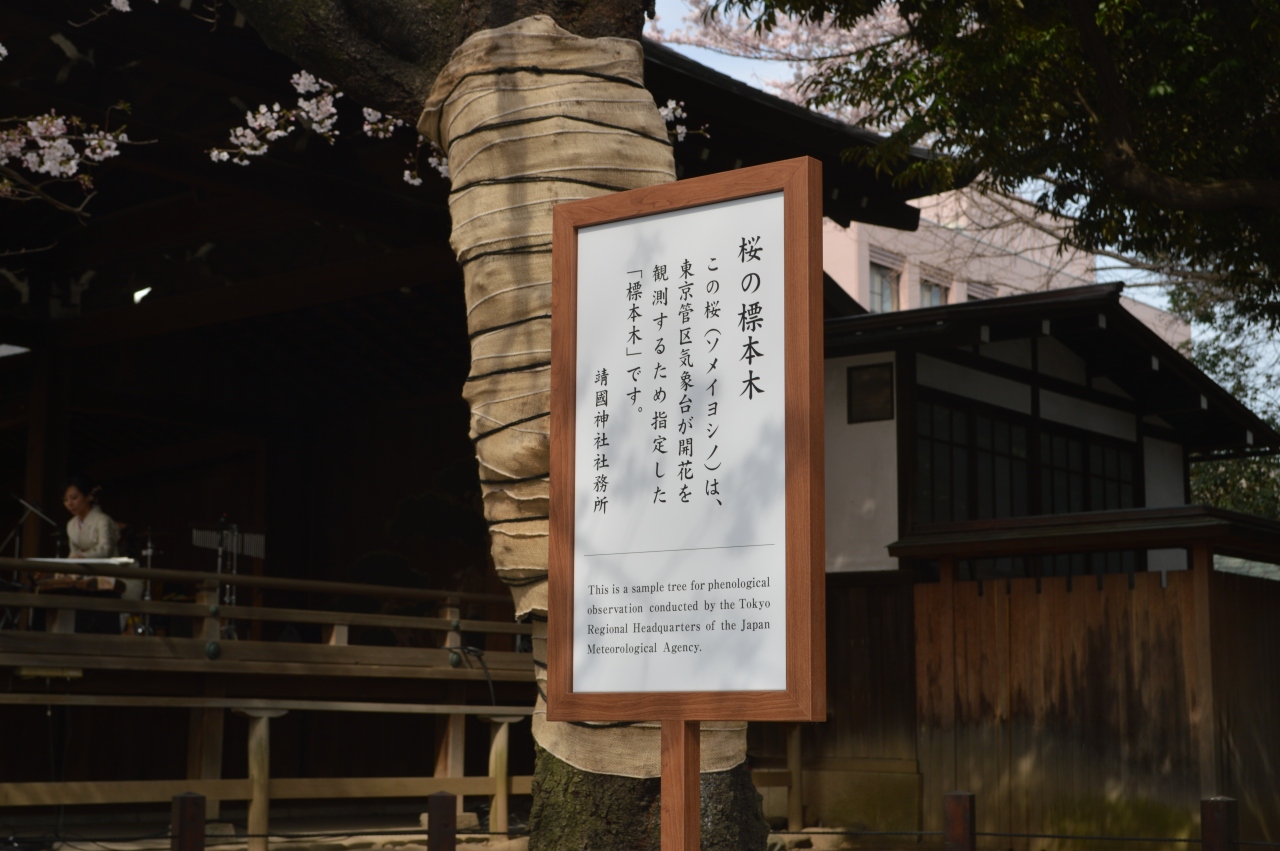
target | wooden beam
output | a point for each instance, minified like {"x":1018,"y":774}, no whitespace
{"x":251,"y":704}
{"x":772,"y":779}
{"x":431,"y":264}
{"x":279,"y":669}
{"x":1185,"y":526}
{"x":116,"y":792}
{"x":158,"y":791}
{"x":317,"y":586}
{"x":88,"y":647}
{"x":256,"y":613}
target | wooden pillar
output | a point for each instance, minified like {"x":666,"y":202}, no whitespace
{"x":961,"y":820}
{"x":795,"y":791}
{"x":1206,"y":717}
{"x":260,"y":776}
{"x":450,"y":755}
{"x":204,"y":743}
{"x":186,"y":829}
{"x":681,"y":795}
{"x":37,"y":451}
{"x":336,"y":634}
{"x":499,"y":805}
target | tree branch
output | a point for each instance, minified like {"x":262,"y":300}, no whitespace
{"x":1119,"y":158}
{"x":386,"y":53}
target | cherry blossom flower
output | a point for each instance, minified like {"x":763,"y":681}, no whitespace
{"x":672,"y":113}
{"x":50,"y":148}
{"x":319,"y":114}
{"x":268,"y":124}
{"x":379,"y":126}
{"x":305,"y":83}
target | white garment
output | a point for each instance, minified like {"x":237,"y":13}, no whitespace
{"x":95,"y":536}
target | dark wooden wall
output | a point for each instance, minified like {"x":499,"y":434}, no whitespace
{"x":860,"y":764}
{"x":1064,"y":707}
{"x":1245,"y":613}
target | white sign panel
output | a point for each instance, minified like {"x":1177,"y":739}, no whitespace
{"x":680,"y":514}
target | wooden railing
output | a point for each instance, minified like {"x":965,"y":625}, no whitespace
{"x":60,"y":652}
{"x":64,"y":653}
{"x":60,"y":647}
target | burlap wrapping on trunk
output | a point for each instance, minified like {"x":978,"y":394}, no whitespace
{"x":529,"y":115}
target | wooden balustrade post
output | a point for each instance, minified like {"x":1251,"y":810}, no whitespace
{"x":260,"y":775}
{"x":795,"y":790}
{"x":210,"y":626}
{"x":336,"y":634}
{"x":186,"y":829}
{"x":453,"y":748}
{"x":960,"y":817}
{"x":60,"y":620}
{"x":499,"y":820}
{"x":1219,"y":824}
{"x":442,"y":821}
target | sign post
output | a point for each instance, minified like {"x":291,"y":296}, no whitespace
{"x":686,"y":552}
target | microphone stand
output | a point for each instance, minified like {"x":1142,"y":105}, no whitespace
{"x":16,"y":534}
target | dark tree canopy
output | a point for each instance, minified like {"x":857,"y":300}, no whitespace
{"x":1156,"y":125}
{"x":387,"y":53}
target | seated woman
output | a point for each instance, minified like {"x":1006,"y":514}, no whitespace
{"x":92,"y":534}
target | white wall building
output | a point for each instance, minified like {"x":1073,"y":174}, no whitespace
{"x":960,"y":253}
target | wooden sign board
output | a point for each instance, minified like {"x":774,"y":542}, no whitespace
{"x":686,"y":554}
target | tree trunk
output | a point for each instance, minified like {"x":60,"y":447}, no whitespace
{"x":529,"y":115}
{"x":576,"y":809}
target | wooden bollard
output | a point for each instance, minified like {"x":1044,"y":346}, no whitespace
{"x":442,"y":822}
{"x":961,"y":821}
{"x":187,"y":827}
{"x":1219,"y":824}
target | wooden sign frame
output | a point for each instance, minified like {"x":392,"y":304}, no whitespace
{"x":804,"y":698}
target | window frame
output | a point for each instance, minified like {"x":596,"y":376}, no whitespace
{"x":1036,"y":427}
{"x":896,"y":274}
{"x":933,"y":283}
